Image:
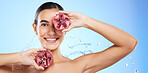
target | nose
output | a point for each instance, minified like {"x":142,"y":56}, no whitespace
{"x":51,"y":31}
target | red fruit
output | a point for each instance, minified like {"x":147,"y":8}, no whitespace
{"x":61,"y":21}
{"x":44,"y":59}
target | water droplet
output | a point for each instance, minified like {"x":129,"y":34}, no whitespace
{"x":136,"y":71}
{"x":98,"y":43}
{"x":126,"y":64}
{"x":130,"y":57}
{"x":80,"y":40}
{"x":90,"y":51}
{"x":132,"y":63}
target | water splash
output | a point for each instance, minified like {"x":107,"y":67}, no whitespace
{"x":80,"y":44}
{"x":34,"y":43}
{"x":78,"y":54}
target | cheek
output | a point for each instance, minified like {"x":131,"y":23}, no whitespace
{"x":41,"y":32}
{"x":59,"y":33}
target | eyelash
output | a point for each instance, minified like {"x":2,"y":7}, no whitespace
{"x":44,"y":24}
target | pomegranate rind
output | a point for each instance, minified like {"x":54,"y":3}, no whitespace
{"x":61,"y":21}
{"x":44,"y":58}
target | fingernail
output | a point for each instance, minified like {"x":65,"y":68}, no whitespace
{"x":57,"y":12}
{"x":42,"y":68}
{"x":65,"y":30}
{"x":62,"y":30}
{"x":60,"y":11}
{"x":64,"y":33}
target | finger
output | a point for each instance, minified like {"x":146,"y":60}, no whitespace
{"x":30,"y":51}
{"x":66,"y":12}
{"x":38,"y":67}
{"x":60,"y":12}
{"x":41,"y":49}
{"x":67,"y":30}
{"x":64,"y":33}
{"x":72,"y":20}
{"x":33,"y":57}
{"x":35,"y":51}
{"x":57,"y":13}
{"x":50,"y":51}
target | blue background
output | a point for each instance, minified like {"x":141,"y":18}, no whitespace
{"x":16,"y":32}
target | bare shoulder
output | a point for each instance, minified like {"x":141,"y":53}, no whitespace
{"x":64,"y":67}
{"x":77,"y":66}
{"x":81,"y":62}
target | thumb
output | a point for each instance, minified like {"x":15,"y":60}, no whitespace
{"x":67,"y":30}
{"x":38,"y":67}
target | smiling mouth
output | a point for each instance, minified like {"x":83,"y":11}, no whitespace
{"x":51,"y":40}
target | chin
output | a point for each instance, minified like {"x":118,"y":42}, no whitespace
{"x":50,"y":47}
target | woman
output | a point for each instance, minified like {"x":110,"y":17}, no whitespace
{"x":51,"y":39}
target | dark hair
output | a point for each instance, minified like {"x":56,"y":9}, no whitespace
{"x":47,"y":5}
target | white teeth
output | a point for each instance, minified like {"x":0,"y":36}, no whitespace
{"x":51,"y":39}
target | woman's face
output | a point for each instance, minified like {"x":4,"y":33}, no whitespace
{"x":49,"y":37}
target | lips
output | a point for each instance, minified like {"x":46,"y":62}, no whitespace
{"x":51,"y":39}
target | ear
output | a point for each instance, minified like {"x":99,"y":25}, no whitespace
{"x":35,"y":28}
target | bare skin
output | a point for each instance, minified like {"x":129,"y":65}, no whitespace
{"x":124,"y":44}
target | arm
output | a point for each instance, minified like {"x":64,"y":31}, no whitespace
{"x":124,"y":43}
{"x":9,"y":58}
{"x":24,"y":58}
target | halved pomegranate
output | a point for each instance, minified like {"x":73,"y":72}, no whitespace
{"x":61,"y":21}
{"x":44,"y":58}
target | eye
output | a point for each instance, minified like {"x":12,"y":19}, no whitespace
{"x":44,"y":24}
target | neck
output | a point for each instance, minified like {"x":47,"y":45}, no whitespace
{"x":58,"y":57}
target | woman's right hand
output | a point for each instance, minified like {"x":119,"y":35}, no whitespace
{"x":28,"y":58}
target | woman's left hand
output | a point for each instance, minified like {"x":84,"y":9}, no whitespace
{"x":76,"y":20}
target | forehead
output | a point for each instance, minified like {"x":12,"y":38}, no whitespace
{"x":47,"y":14}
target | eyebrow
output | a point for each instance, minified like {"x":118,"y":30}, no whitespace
{"x":44,"y":21}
